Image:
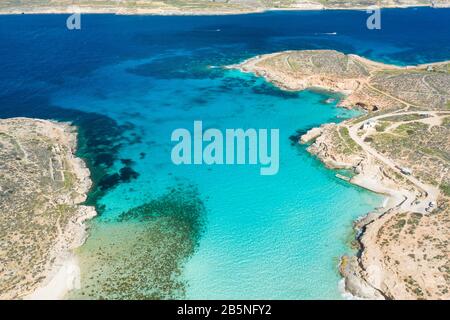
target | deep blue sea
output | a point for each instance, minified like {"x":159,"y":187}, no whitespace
{"x":167,"y":231}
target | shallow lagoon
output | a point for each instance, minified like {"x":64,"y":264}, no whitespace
{"x":264,"y":236}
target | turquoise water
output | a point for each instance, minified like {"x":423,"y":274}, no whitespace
{"x":167,"y":231}
{"x":266,"y":236}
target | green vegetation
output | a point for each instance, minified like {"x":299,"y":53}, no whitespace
{"x":413,"y":286}
{"x":381,"y":126}
{"x":446,"y":121}
{"x":351,"y":145}
{"x":408,"y":129}
{"x":400,"y":224}
{"x":445,"y":188}
{"x":407,"y":117}
{"x":69,"y":180}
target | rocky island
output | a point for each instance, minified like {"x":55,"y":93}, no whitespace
{"x":42,"y":186}
{"x":195,"y":7}
{"x":399,"y":148}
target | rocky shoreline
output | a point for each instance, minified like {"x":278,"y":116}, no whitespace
{"x":50,"y":209}
{"x":381,"y":269}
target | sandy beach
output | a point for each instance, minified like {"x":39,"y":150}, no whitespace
{"x":65,"y":275}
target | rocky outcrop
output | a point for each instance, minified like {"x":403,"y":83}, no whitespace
{"x":42,"y":186}
{"x":404,"y":245}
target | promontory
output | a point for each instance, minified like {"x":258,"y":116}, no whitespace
{"x":400,"y":148}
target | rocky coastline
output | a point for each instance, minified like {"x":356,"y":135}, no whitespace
{"x":394,"y":260}
{"x":44,"y":186}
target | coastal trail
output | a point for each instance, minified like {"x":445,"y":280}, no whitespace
{"x":430,"y":193}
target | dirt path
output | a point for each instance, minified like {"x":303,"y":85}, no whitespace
{"x":429,"y":193}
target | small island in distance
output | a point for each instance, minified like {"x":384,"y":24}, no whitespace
{"x":199,"y":7}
